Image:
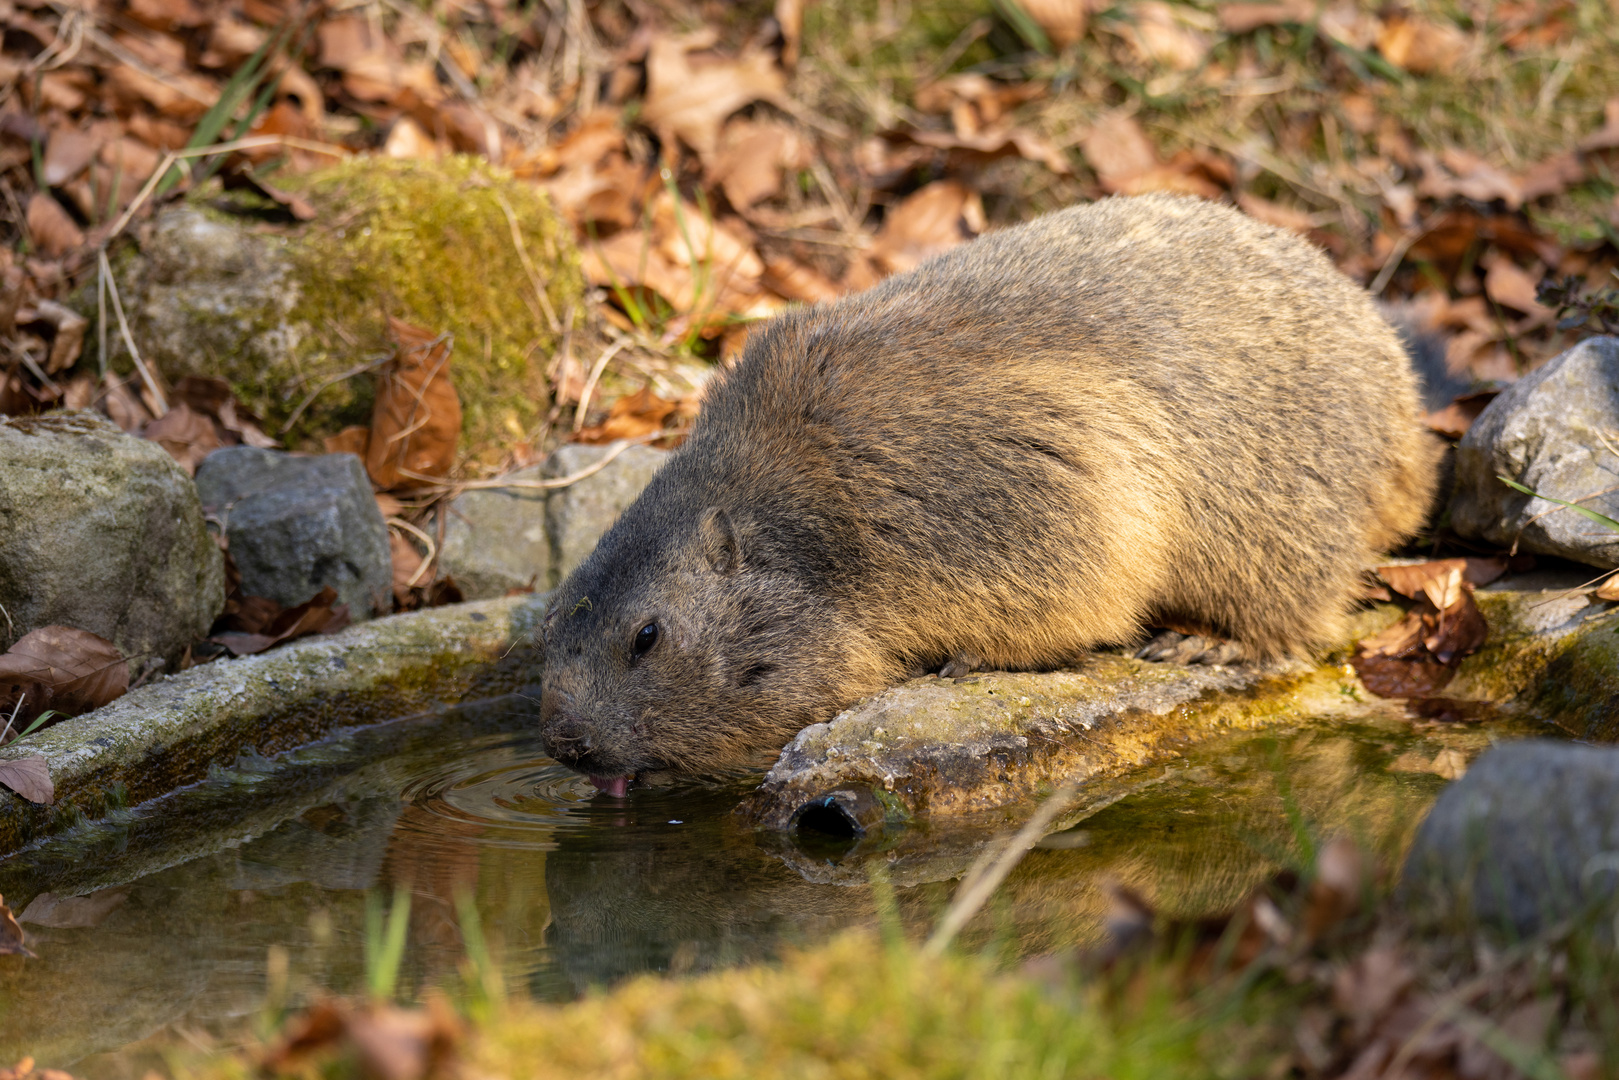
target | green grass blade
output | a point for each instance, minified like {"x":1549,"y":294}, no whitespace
{"x":1600,"y":519}
{"x":385,"y":944}
{"x":234,"y":92}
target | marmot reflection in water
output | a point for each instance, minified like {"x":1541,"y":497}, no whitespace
{"x":1143,"y":412}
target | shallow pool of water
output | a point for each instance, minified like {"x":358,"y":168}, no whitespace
{"x":194,"y":900}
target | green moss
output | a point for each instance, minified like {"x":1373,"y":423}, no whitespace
{"x":431,"y":243}
{"x":279,"y":315}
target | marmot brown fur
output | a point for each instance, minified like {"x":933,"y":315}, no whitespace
{"x":1142,"y":412}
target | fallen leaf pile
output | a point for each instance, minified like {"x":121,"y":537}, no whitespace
{"x":715,"y":174}
{"x":1376,"y":1002}
{"x":1419,"y":655}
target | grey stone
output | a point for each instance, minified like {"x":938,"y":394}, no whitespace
{"x":577,"y":516}
{"x":1528,"y":836}
{"x":495,"y":540}
{"x":1555,"y":431}
{"x":102,"y":531}
{"x":296,"y":524}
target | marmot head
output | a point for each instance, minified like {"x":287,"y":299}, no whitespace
{"x":678,"y":646}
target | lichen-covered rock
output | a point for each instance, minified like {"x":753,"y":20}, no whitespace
{"x":298,"y":524}
{"x":577,"y":515}
{"x":279,"y":315}
{"x":500,"y":539}
{"x":1529,"y":836}
{"x":1553,"y":432}
{"x":102,"y":531}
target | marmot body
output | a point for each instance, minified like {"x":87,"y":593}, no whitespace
{"x":1142,"y":412}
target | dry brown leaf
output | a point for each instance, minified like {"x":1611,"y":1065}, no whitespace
{"x":11,"y":944}
{"x":321,"y":614}
{"x":1158,"y":33}
{"x":1550,"y":176}
{"x":795,"y":281}
{"x":790,"y":20}
{"x":179,"y":96}
{"x":1454,"y":419}
{"x":186,"y":434}
{"x":69,"y":153}
{"x":417,"y":419}
{"x":390,"y":1043}
{"x":1271,"y":213}
{"x":990,"y":144}
{"x":62,"y":668}
{"x":351,"y":440}
{"x":1063,"y":21}
{"x":1369,"y":986}
{"x":68,"y":341}
{"x":73,"y":912}
{"x":632,"y":416}
{"x":1240,"y":18}
{"x":1511,"y":286}
{"x":408,"y":142}
{"x":29,"y":777}
{"x":349,"y":39}
{"x":1421,"y":46}
{"x":213,"y":397}
{"x":751,"y":157}
{"x":1608,"y":590}
{"x":1413,"y":580}
{"x":1467,"y":175}
{"x":50,"y":229}
{"x":407,"y":566}
{"x":1119,"y":151}
{"x":933,"y":219}
{"x":689,"y":97}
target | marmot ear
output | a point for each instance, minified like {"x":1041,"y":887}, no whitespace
{"x":719,"y":541}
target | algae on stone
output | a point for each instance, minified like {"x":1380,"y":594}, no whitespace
{"x":279,"y":314}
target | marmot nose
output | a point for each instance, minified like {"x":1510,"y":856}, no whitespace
{"x":568,"y":740}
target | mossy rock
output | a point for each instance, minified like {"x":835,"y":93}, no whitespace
{"x":280,"y":313}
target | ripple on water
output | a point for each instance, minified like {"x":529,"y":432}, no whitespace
{"x":506,"y":787}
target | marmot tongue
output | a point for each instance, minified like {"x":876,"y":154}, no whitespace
{"x":616,"y":786}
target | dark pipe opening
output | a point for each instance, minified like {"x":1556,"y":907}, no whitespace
{"x":828,"y":817}
{"x":826,"y":829}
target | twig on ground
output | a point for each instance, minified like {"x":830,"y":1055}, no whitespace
{"x":595,"y":374}
{"x":129,"y":339}
{"x":432,"y":548}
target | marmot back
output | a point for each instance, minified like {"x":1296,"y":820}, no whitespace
{"x":1141,"y":412}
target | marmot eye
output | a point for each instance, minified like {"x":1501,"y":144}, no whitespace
{"x":645,"y":638}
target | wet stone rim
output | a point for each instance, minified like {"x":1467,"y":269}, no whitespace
{"x":168,"y":734}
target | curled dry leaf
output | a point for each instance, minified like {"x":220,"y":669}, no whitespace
{"x":751,"y":157}
{"x":186,"y":434}
{"x":68,"y":343}
{"x":932,"y":220}
{"x":1421,"y":46}
{"x":1454,"y":419}
{"x":690,"y":97}
{"x":417,"y":419}
{"x":1418,"y":655}
{"x":1608,"y":590}
{"x":321,"y":614}
{"x":792,"y":279}
{"x":634,"y":416}
{"x":60,"y":668}
{"x":11,"y":936}
{"x":29,"y":777}
{"x":1511,"y":286}
{"x":50,"y":229}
